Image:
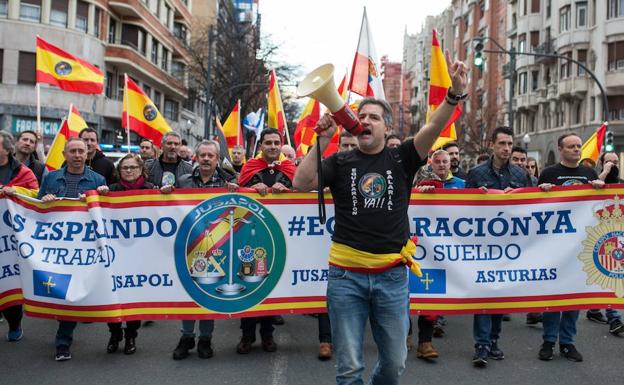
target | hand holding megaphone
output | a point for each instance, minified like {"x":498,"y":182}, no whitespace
{"x":319,"y":85}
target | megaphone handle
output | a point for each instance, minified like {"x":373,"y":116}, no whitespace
{"x":321,"y":193}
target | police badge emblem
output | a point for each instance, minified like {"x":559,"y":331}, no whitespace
{"x":603,"y":249}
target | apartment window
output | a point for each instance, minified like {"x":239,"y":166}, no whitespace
{"x":82,"y":15}
{"x":581,"y":14}
{"x":564,"y":19}
{"x":130,"y":36}
{"x":168,"y":14}
{"x":564,"y":66}
{"x":26,"y":68}
{"x":534,"y":40}
{"x":110,"y":84}
{"x":171,"y":109}
{"x":616,"y":107}
{"x":148,"y":90}
{"x":165,"y":59}
{"x":154,"y":55}
{"x":58,"y":13}
{"x":524,"y":7}
{"x":547,"y":77}
{"x":30,"y":10}
{"x":179,"y":31}
{"x":1,"y":63}
{"x":177,"y":70}
{"x":157,"y":99}
{"x":142,"y":42}
{"x":534,"y":80}
{"x":522,"y":83}
{"x":4,"y":8}
{"x":615,"y":8}
{"x":548,"y":8}
{"x":522,"y":42}
{"x":615,"y":56}
{"x":592,"y":108}
{"x":535,"y":6}
{"x":581,"y":57}
{"x":112,"y":27}
{"x":97,"y":14}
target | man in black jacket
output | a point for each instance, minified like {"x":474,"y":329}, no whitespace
{"x":25,"y":152}
{"x":95,"y":158}
{"x":169,"y":167}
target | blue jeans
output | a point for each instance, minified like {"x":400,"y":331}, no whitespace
{"x":205,"y":328}
{"x":65,"y":333}
{"x":382,"y":298}
{"x":561,"y":325}
{"x":486,"y":327}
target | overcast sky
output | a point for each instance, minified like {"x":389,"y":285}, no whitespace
{"x":311,"y":33}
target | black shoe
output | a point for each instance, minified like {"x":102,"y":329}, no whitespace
{"x":506,"y":317}
{"x":278,"y":320}
{"x":547,"y":353}
{"x":182,"y":350}
{"x":480,"y":356}
{"x":244,"y":346}
{"x":438,"y":330}
{"x":62,"y":353}
{"x":113,"y":342}
{"x":495,"y":353}
{"x":616,"y":327}
{"x":596,"y":317}
{"x":204,"y":348}
{"x":268,"y":344}
{"x":533,"y":318}
{"x":130,"y":346}
{"x":570,"y":352}
{"x":148,"y":323}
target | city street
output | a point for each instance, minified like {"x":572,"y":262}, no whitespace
{"x":31,"y":360}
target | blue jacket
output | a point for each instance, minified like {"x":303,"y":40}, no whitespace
{"x":454,"y":182}
{"x":508,"y":176}
{"x":54,"y":182}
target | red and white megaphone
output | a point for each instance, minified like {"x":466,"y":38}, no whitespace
{"x":319,"y":85}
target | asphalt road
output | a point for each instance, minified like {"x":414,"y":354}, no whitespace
{"x":30,"y":361}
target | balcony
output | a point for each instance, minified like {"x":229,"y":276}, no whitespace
{"x":541,"y":95}
{"x":125,"y":8}
{"x":614,"y":81}
{"x":574,"y":87}
{"x":512,"y":31}
{"x":552,"y":92}
{"x":522,"y":102}
{"x":546,"y":48}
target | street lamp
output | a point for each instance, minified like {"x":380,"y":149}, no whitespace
{"x":526,"y":139}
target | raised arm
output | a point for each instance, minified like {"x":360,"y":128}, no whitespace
{"x":306,"y":177}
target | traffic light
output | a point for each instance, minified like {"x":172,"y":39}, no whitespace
{"x":478,"y":53}
{"x":609,"y":147}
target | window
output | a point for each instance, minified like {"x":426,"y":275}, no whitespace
{"x":534,"y":40}
{"x":110,"y":83}
{"x":535,"y":6}
{"x":179,"y":31}
{"x":547,"y":77}
{"x":564,"y":19}
{"x":164,"y":64}
{"x":615,"y":56}
{"x":154,"y":51}
{"x":592,"y":108}
{"x":524,"y":7}
{"x":1,"y":63}
{"x":581,"y":57}
{"x":26,"y":68}
{"x":148,"y":90}
{"x":30,"y":10}
{"x":581,"y":14}
{"x":522,"y":79}
{"x":112,"y":27}
{"x":130,"y":35}
{"x":4,"y":8}
{"x":58,"y":13}
{"x":548,"y":8}
{"x":142,"y":42}
{"x":534,"y":80}
{"x":615,"y":8}
{"x":564,"y":66}
{"x":177,"y":70}
{"x":171,"y":109}
{"x":97,"y":14}
{"x":82,"y":15}
{"x":522,"y":42}
{"x":616,"y":107}
{"x":157,"y":99}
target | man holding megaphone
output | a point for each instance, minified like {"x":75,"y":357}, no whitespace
{"x":371,"y":243}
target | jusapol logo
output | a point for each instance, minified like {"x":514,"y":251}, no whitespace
{"x":230,"y":253}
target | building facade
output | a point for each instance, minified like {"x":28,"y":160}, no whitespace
{"x":393,"y":89}
{"x":146,"y":39}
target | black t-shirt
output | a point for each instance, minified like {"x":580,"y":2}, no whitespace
{"x":5,"y":172}
{"x":169,"y":173}
{"x":561,"y":175}
{"x":237,"y":167}
{"x":371,"y":195}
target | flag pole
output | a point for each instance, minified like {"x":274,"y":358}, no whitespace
{"x":38,"y":87}
{"x":127,"y":107}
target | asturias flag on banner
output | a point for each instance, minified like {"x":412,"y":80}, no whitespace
{"x":49,"y":284}
{"x":141,"y":114}
{"x":365,"y":76}
{"x":439,"y":83}
{"x":277,"y":119}
{"x":593,"y":145}
{"x":66,"y":71}
{"x":71,"y":126}
{"x":232,"y":128}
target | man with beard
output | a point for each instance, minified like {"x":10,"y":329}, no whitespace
{"x":169,"y":167}
{"x":453,"y":150}
{"x":25,"y":152}
{"x":95,"y":158}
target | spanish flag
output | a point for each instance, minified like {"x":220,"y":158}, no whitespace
{"x":232,"y":130}
{"x":66,"y":71}
{"x":591,"y":148}
{"x":141,"y":115}
{"x":71,"y":126}
{"x":277,"y":119}
{"x":365,"y":75}
{"x":439,"y":83}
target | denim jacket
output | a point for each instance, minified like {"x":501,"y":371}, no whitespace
{"x":508,"y":176}
{"x":54,"y":182}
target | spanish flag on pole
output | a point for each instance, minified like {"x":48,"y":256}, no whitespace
{"x":592,"y":147}
{"x":71,"y":126}
{"x":66,"y":71}
{"x":232,"y":128}
{"x":277,"y":119}
{"x":365,"y":75}
{"x":439,"y":83}
{"x":141,"y":115}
